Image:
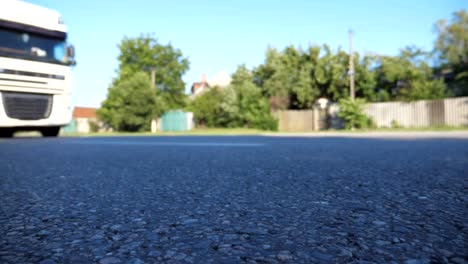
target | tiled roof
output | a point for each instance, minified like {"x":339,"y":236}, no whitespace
{"x":84,"y":112}
{"x":199,"y":85}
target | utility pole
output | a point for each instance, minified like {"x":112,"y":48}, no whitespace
{"x":153,"y":77}
{"x":351,"y":66}
{"x":152,"y":71}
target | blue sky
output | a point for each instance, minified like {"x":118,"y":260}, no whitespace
{"x":219,"y":35}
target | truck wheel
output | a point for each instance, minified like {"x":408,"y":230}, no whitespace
{"x":50,"y":131}
{"x":6,"y":132}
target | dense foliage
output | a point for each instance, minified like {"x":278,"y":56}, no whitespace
{"x":291,"y":78}
{"x":407,"y":76}
{"x":295,"y":78}
{"x":132,"y":99}
{"x":239,"y":105}
{"x":146,"y":54}
{"x":130,"y":104}
{"x":451,"y":50}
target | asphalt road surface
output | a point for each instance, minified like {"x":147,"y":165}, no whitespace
{"x":233,"y":200}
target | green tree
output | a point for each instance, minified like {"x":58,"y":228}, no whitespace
{"x":285,"y":78}
{"x":131,"y":104}
{"x":295,"y":78}
{"x":408,"y":76}
{"x":365,"y":78}
{"x":252,"y":110}
{"x":145,"y":53}
{"x":241,"y":75}
{"x":241,"y":104}
{"x":424,"y":90}
{"x":451,"y":49}
{"x":330,"y":74}
{"x":268,"y":78}
{"x":207,"y":109}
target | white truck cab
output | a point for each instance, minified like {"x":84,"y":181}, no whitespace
{"x":35,"y":69}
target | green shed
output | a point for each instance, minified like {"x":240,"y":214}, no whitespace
{"x":177,"y":121}
{"x":71,"y":127}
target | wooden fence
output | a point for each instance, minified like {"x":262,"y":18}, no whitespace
{"x":426,"y":113}
{"x":291,"y":120}
{"x":302,"y":120}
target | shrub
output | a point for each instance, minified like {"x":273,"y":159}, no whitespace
{"x":253,"y":109}
{"x":395,"y":124}
{"x":352,"y":114}
{"x":207,"y":108}
{"x":267,"y":122}
{"x":93,"y":126}
{"x":238,"y":105}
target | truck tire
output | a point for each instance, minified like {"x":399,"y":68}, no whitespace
{"x":50,"y":131}
{"x":6,"y":132}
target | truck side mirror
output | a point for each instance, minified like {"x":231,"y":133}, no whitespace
{"x":71,"y":51}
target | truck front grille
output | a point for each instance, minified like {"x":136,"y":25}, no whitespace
{"x":27,"y":106}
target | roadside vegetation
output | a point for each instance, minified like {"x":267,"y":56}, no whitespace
{"x":149,"y":81}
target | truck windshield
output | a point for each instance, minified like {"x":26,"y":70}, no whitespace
{"x":32,"y":46}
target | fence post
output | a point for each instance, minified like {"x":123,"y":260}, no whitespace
{"x":316,"y":118}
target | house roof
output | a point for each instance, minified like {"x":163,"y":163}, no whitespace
{"x":84,"y":112}
{"x":199,"y":85}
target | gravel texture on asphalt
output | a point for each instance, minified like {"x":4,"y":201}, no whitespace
{"x":233,"y":200}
